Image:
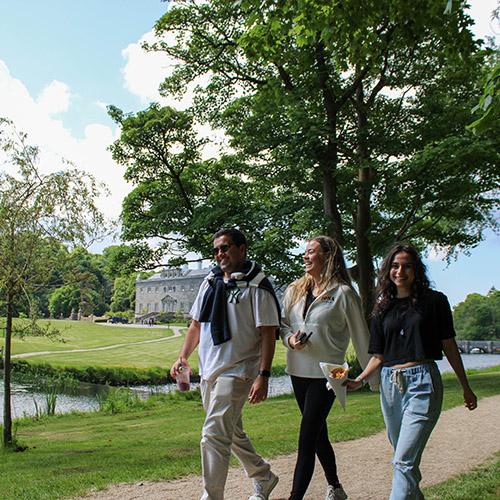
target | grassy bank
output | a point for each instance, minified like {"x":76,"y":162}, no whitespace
{"x":131,"y":361}
{"x":71,"y":454}
{"x":25,"y":372}
{"x":481,"y":483}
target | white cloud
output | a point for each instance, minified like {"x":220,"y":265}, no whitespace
{"x":102,"y":105}
{"x":437,"y":254}
{"x":54,"y":99}
{"x":144,"y":71}
{"x":35,"y":117}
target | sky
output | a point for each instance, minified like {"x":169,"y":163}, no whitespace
{"x":62,"y":63}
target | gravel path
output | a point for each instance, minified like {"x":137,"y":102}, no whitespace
{"x":460,"y":441}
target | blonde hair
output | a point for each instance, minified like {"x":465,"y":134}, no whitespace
{"x":334,"y":270}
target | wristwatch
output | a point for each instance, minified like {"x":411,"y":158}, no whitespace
{"x":265,"y":373}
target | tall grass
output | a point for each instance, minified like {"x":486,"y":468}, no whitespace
{"x":123,"y":399}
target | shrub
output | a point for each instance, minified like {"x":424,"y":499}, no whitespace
{"x":118,"y":400}
{"x":92,"y":374}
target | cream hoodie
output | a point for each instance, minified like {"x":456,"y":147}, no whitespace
{"x":335,"y":317}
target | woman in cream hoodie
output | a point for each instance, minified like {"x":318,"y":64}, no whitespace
{"x":322,"y":312}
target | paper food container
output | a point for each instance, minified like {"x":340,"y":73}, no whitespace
{"x":336,"y":383}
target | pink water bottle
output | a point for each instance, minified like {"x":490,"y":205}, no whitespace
{"x":182,"y":378}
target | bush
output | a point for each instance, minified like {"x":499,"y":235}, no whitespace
{"x":118,"y":400}
{"x":165,"y":317}
{"x":352,"y":361}
{"x":94,"y":374}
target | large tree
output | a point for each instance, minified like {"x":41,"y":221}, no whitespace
{"x":181,"y":200}
{"x":345,"y":117}
{"x":37,"y":212}
{"x":478,"y":316}
{"x":86,"y":286}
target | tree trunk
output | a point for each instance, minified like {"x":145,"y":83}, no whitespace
{"x":329,"y":158}
{"x":330,"y":203}
{"x":7,"y":414}
{"x":364,"y":258}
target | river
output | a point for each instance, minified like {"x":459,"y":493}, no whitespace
{"x":25,"y":396}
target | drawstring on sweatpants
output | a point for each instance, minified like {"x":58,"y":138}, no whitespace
{"x":396,"y":378}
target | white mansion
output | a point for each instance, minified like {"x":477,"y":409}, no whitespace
{"x":172,"y":290}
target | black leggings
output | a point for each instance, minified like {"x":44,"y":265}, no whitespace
{"x":315,"y":402}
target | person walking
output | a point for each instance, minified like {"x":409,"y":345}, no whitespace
{"x":322,"y":313}
{"x":235,"y":318}
{"x":411,"y":326}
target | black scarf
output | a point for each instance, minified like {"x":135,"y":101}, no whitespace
{"x":214,"y":306}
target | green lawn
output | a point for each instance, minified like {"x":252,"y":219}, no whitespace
{"x":481,"y":483}
{"x":71,"y":454}
{"x":85,"y":335}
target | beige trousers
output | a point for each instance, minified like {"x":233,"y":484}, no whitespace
{"x":222,"y":433}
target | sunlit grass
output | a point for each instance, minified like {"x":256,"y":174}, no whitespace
{"x":71,"y":454}
{"x":481,"y":483}
{"x":87,"y":335}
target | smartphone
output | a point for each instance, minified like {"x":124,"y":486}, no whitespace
{"x":303,"y":337}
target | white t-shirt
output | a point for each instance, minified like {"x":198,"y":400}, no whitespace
{"x":247,"y":310}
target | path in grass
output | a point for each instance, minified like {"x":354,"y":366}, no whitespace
{"x":176,"y":329}
{"x":461,"y":441}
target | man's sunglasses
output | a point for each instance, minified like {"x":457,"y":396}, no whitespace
{"x":222,"y":248}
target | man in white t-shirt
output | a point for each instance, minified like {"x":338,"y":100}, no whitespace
{"x":235,"y":317}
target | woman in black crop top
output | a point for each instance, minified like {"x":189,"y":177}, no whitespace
{"x":411,"y":326}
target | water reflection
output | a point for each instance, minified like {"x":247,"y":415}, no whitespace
{"x":84,"y":397}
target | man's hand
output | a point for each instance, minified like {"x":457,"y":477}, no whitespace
{"x":258,"y":392}
{"x":190,"y":342}
{"x":175,"y":367}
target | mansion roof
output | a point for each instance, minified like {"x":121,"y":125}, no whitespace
{"x":175,"y":274}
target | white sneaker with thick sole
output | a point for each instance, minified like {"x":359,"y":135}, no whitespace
{"x":262,"y":489}
{"x":335,"y":493}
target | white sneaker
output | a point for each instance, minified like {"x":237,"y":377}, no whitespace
{"x":335,"y":493}
{"x":262,"y":489}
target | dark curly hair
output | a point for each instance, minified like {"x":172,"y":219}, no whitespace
{"x":386,"y":291}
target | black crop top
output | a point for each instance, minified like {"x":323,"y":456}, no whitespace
{"x":406,"y":332}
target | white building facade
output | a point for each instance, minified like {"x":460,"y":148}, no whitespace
{"x":172,"y":290}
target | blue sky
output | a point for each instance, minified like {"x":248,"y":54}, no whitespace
{"x":79,"y":43}
{"x":62,"y":62}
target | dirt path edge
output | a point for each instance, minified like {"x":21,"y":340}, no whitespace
{"x":461,"y":441}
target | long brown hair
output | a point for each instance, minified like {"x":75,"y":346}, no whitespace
{"x":386,"y":290}
{"x":334,"y":269}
